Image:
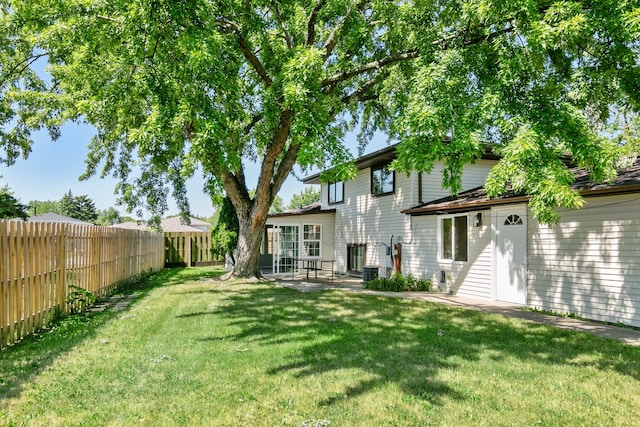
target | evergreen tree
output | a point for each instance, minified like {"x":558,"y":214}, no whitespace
{"x":66,"y":205}
{"x":80,"y":207}
{"x":85,"y":209}
{"x":10,"y":207}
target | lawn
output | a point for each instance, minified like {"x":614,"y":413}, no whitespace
{"x":193,"y":350}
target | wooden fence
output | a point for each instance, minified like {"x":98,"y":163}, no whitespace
{"x":41,"y":262}
{"x":187,"y":248}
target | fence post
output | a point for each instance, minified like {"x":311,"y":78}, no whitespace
{"x":4,"y":288}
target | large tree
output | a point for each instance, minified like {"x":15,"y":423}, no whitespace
{"x":179,"y":87}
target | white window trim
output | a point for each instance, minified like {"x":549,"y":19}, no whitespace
{"x":302,"y":239}
{"x":453,"y":238}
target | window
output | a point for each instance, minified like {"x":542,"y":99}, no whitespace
{"x":513,"y":220}
{"x":267,"y":241}
{"x":356,"y":255}
{"x":311,"y":237}
{"x":453,"y":233}
{"x":336,"y":192}
{"x":382,"y":180}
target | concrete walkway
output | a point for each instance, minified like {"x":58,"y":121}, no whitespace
{"x":627,"y":335}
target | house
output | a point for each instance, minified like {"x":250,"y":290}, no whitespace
{"x":172,"y":224}
{"x":360,"y":221}
{"x":471,"y":245}
{"x":57,"y":218}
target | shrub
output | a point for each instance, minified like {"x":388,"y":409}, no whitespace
{"x":79,"y":299}
{"x":399,"y":283}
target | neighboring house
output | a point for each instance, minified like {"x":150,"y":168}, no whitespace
{"x":54,"y":217}
{"x":173,"y":224}
{"x":588,"y":264}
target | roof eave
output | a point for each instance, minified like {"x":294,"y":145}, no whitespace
{"x":487,"y":204}
{"x":287,"y":214}
{"x":464,"y":207}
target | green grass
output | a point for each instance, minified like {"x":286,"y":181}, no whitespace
{"x":193,"y":350}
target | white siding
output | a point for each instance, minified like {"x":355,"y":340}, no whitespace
{"x":420,"y":256}
{"x":589,"y":263}
{"x":470,"y":279}
{"x":474,"y":278}
{"x":473,"y":176}
{"x":372,"y":220}
{"x":326,"y":220}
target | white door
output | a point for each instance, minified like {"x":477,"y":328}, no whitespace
{"x":510,"y":254}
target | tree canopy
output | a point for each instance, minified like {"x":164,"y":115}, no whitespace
{"x":183,"y":87}
{"x":306,"y":197}
{"x":109,"y":216}
{"x":37,"y":207}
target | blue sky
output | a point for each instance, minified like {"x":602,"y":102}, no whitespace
{"x":53,"y":168}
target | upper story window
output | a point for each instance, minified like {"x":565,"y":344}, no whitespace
{"x":336,"y":192}
{"x":382,"y":180}
{"x":454,"y":238}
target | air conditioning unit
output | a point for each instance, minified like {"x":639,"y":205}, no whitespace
{"x":369,"y":272}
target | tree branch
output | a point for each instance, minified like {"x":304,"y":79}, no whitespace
{"x":332,"y":40}
{"x":287,"y":36}
{"x":311,"y":22}
{"x":267,"y":172}
{"x":374,"y":65}
{"x":444,"y":44}
{"x":232,"y":27}
{"x":448,"y":42}
{"x":252,"y":123}
{"x":359,"y":93}
{"x":24,"y":64}
{"x":285,"y":167}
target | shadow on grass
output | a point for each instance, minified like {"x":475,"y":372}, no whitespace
{"x":407,"y":343}
{"x":22,"y":362}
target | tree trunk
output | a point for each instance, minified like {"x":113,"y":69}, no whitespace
{"x":247,"y":254}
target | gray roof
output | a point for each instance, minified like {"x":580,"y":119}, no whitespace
{"x":54,"y":217}
{"x":627,"y":181}
{"x":382,"y":156}
{"x":132,"y":225}
{"x":173,"y":224}
{"x":315,"y":208}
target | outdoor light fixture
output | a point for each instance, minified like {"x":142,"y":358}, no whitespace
{"x":477,"y":220}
